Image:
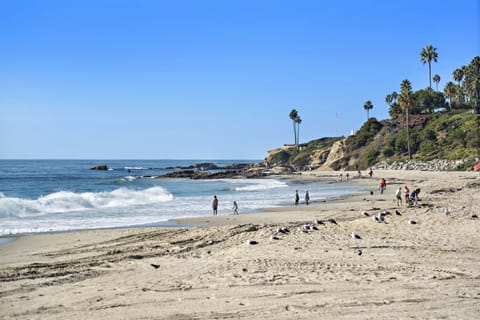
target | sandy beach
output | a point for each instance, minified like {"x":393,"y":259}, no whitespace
{"x":397,"y":270}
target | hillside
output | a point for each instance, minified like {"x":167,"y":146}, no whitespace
{"x":449,"y":135}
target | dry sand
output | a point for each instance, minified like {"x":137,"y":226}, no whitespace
{"x":428,"y":270}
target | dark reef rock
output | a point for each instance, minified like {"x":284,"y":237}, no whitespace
{"x":103,"y":167}
{"x":197,"y":166}
{"x":192,"y":174}
{"x":236,"y":170}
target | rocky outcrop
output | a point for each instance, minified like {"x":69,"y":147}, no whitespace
{"x":255,"y":170}
{"x":191,"y":174}
{"x":197,"y":166}
{"x":102,"y":167}
{"x":206,"y":166}
{"x":334,"y":154}
{"x":258,"y":171}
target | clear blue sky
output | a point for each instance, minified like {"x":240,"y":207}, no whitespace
{"x":210,"y":79}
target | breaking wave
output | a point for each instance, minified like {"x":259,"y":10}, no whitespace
{"x":66,"y":201}
{"x":261,"y":184}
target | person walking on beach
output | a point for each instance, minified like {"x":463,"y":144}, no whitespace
{"x":235,"y":208}
{"x":307,"y":197}
{"x":398,"y":196}
{"x":297,"y":197}
{"x":370,"y":173}
{"x":215,"y":205}
{"x":383,"y":185}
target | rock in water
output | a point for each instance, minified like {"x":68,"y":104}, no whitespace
{"x":103,"y":167}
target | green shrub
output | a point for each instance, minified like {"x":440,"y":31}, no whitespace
{"x":366,"y":133}
{"x":281,"y":157}
{"x":429,"y":134}
{"x":371,"y":157}
{"x":401,"y":144}
{"x":388,"y":151}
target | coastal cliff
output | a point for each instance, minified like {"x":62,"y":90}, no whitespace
{"x":439,"y":141}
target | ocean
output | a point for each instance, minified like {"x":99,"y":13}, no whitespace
{"x":62,"y":195}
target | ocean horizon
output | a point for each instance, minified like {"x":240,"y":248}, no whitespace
{"x":38,"y":196}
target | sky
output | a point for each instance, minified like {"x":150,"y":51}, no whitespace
{"x":117,"y":79}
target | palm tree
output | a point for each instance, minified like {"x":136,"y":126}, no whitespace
{"x":293,"y":116}
{"x":406,"y":100}
{"x":429,"y":54}
{"x":394,"y":96}
{"x":368,"y":106}
{"x":389,"y":99}
{"x":449,"y":92}
{"x":472,"y":83}
{"x":436,"y":79}
{"x":298,"y":120}
{"x":458,"y":75}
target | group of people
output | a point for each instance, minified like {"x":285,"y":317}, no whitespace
{"x":347,"y":176}
{"x":411,"y":198}
{"x":235,"y":205}
{"x":297,"y":197}
{"x":215,"y":206}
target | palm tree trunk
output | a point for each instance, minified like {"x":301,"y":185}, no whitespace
{"x":294,"y":133}
{"x":408,"y":139}
{"x":298,"y":133}
{"x":430,"y":74}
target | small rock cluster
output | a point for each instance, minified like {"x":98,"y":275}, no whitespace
{"x":432,"y":165}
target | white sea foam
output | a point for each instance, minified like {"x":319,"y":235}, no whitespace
{"x":128,"y":178}
{"x":135,"y":168}
{"x":260,"y":184}
{"x":65,"y":201}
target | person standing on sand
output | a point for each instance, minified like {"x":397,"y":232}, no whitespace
{"x":215,"y":205}
{"x":406,"y":195}
{"x":307,"y":197}
{"x":235,"y":208}
{"x":297,"y":197}
{"x":398,"y":196}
